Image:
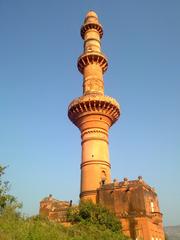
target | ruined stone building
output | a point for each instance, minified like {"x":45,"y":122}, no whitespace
{"x":134,"y":202}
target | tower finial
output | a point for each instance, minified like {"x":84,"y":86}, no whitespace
{"x":91,"y":16}
{"x":92,"y":59}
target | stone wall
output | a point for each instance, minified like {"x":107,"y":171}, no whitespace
{"x":136,"y":205}
{"x":54,"y":209}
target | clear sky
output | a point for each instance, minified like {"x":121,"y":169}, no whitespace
{"x":39,"y":46}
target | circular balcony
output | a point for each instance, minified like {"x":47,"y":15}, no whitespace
{"x":90,"y":58}
{"x":94,"y":104}
{"x":89,"y":26}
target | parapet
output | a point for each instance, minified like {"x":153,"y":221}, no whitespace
{"x":126,"y":183}
{"x":54,"y":209}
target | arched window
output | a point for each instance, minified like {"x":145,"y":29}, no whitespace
{"x":103,"y":177}
{"x":152,"y":206}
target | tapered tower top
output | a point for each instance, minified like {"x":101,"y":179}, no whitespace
{"x":92,"y":64}
{"x":91,"y":16}
{"x":91,"y":13}
{"x":91,"y":22}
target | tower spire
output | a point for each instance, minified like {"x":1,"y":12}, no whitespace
{"x":93,"y":113}
{"x":92,"y":63}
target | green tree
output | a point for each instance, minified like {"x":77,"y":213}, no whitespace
{"x":88,"y":212}
{"x":6,"y":200}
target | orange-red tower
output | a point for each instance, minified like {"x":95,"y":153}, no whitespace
{"x":93,"y":113}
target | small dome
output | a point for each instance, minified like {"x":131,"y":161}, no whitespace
{"x":91,"y":17}
{"x":91,"y":14}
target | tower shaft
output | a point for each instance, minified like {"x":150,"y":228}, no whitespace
{"x":93,"y":113}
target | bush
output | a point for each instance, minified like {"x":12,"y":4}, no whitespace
{"x":93,"y":222}
{"x":88,"y":212}
{"x":88,"y":231}
{"x":14,"y":226}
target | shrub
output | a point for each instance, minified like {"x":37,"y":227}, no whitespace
{"x":5,"y":198}
{"x":14,"y":226}
{"x":93,"y":222}
{"x":96,"y":214}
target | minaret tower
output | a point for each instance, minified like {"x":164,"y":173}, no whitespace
{"x":93,"y":113}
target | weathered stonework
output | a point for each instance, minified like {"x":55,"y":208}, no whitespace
{"x":54,"y":209}
{"x":135,"y":203}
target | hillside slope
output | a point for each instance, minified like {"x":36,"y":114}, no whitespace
{"x":173,"y":232}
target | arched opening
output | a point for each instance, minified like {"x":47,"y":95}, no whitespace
{"x":103,"y":177}
{"x":152,"y":206}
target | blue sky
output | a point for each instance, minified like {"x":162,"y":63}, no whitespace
{"x":39,"y":46}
